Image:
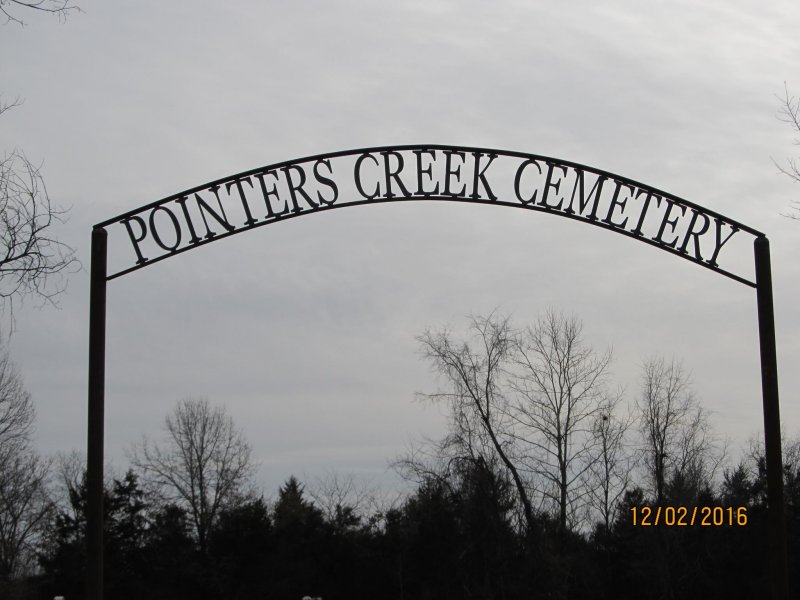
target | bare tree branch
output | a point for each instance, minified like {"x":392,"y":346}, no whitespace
{"x":30,"y":257}
{"x":341,"y":496}
{"x":32,"y":261}
{"x":61,"y":8}
{"x":789,"y":112}
{"x":478,"y":406}
{"x":4,"y":106}
{"x":611,"y":469}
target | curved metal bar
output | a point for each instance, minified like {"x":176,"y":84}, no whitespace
{"x":188,"y":213}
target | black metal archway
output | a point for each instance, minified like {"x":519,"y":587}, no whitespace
{"x":431,"y":172}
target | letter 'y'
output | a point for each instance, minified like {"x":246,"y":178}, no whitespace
{"x":719,"y":243}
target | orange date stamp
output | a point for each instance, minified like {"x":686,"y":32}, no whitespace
{"x":683,"y":516}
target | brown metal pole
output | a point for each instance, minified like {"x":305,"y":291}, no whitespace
{"x":94,"y":453}
{"x":772,"y":422}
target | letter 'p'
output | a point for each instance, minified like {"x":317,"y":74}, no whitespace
{"x":134,"y":239}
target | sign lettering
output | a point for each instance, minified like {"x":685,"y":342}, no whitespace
{"x":447,"y":173}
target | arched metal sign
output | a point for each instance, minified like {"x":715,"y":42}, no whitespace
{"x":292,"y":188}
{"x":216,"y":210}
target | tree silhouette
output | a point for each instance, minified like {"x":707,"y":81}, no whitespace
{"x":203,"y":464}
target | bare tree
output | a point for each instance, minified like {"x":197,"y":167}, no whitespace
{"x":29,"y":254}
{"x":611,"y":464}
{"x":24,"y":502}
{"x":789,"y":112}
{"x":678,"y":443}
{"x":31,"y":258}
{"x":25,"y":508}
{"x":204,"y":462}
{"x":10,"y":9}
{"x":473,"y":372}
{"x":560,"y":385}
{"x":335,"y":490}
{"x":665,"y":402}
{"x":342,"y":499}
{"x":16,"y":408}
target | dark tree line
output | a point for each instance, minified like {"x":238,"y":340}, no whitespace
{"x":533,"y":493}
{"x":457,"y":535}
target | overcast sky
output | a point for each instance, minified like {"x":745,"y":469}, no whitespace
{"x":306,"y":330}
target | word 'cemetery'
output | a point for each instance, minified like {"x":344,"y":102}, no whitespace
{"x":393,"y":174}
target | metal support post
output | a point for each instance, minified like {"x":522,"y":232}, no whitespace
{"x":772,"y":422}
{"x":94,"y":454}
